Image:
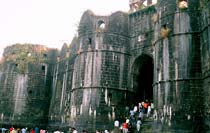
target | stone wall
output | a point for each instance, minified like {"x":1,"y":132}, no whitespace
{"x":99,"y":77}
{"x":159,"y":53}
{"x":141,"y":34}
{"x":163,"y":40}
{"x":205,"y":58}
{"x":177,"y":64}
{"x":59,"y":111}
{"x":25,"y":82}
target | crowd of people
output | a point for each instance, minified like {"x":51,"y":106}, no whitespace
{"x":23,"y":130}
{"x":131,"y":123}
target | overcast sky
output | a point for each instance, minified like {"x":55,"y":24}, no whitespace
{"x":48,"y":22}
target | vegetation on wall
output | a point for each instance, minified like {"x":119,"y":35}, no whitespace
{"x":22,"y":55}
{"x":155,"y":18}
{"x":182,"y":4}
{"x":164,"y":31}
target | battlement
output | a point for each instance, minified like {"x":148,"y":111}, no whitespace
{"x":136,"y":5}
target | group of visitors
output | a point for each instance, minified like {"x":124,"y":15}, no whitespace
{"x":23,"y":130}
{"x":131,"y":123}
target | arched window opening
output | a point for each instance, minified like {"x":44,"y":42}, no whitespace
{"x":89,"y":40}
{"x":141,"y":38}
{"x":101,"y":24}
{"x":30,"y":91}
{"x":43,"y":67}
{"x":44,"y":55}
{"x":28,"y":54}
{"x":58,"y":58}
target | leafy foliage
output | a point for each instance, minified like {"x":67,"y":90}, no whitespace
{"x":22,"y":55}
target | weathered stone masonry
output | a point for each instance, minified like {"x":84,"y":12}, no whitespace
{"x":160,"y":53}
{"x":25,"y":84}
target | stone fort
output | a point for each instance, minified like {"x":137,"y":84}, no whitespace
{"x":160,"y":52}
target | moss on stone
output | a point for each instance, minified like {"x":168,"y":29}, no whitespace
{"x":23,"y":54}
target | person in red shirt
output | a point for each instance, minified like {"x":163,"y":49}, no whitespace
{"x":125,"y":126}
{"x":11,"y":128}
{"x":145,"y":106}
{"x":32,"y":131}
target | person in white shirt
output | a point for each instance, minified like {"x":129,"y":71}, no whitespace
{"x":138,"y":125}
{"x":23,"y":130}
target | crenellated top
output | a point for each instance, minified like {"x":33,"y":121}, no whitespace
{"x":97,"y":32}
{"x":86,"y":24}
{"x":29,"y":50}
{"x":23,"y":54}
{"x":64,"y":53}
{"x":118,"y":23}
{"x":177,"y":5}
{"x":115,"y":23}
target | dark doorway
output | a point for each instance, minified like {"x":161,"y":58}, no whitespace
{"x":143,"y":78}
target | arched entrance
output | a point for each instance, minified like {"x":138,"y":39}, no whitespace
{"x":143,"y":78}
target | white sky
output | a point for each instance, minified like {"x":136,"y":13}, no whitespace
{"x":48,"y":22}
